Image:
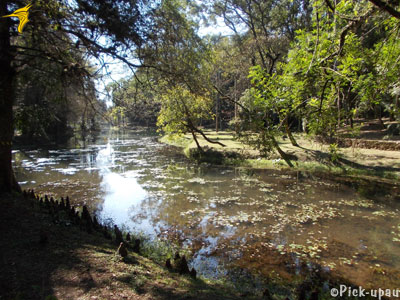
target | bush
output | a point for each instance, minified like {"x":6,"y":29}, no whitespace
{"x":334,"y":153}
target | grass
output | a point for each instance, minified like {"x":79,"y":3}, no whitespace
{"x":311,"y":156}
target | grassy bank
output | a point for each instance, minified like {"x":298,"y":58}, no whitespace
{"x":44,"y":255}
{"x":372,"y":164}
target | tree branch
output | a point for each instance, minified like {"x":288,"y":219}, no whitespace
{"x":386,"y":7}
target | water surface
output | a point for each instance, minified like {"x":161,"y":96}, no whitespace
{"x":265,"y":221}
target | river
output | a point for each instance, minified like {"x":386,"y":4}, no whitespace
{"x":263,"y":221}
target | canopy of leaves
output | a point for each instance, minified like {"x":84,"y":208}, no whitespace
{"x":182,"y":110}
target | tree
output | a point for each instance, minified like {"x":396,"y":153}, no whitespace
{"x":86,"y":22}
{"x":183,"y":63}
{"x":387,"y":7}
{"x":339,"y":68}
{"x":269,"y":26}
{"x":263,"y":106}
{"x":7,"y":75}
{"x":182,"y":111}
{"x":137,"y":96}
{"x":52,"y":98}
{"x":264,"y":30}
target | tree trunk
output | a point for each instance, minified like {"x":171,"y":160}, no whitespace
{"x":283,"y":155}
{"x":289,"y":133}
{"x":217,"y":114}
{"x":8,"y":182}
{"x":196,"y":141}
{"x":381,"y":123}
{"x":236,"y":107}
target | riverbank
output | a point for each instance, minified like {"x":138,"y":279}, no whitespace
{"x":46,"y":256}
{"x":340,"y":163}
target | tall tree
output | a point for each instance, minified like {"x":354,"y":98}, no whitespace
{"x":183,"y":61}
{"x":7,"y":76}
{"x":94,"y":27}
{"x":265,"y":29}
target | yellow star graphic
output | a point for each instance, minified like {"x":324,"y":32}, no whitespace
{"x":22,"y":15}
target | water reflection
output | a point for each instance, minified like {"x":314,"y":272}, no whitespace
{"x":262,"y":220}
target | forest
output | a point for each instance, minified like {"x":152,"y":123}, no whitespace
{"x":287,"y":66}
{"x":309,"y":89}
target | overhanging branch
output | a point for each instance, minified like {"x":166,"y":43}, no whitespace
{"x":386,"y":7}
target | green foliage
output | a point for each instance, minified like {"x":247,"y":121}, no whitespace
{"x":32,"y":120}
{"x":117,"y":115}
{"x":55,"y":90}
{"x":334,"y":152}
{"x":182,"y":110}
{"x":256,"y":127}
{"x":331,"y":75}
{"x":180,"y":55}
{"x":133,"y":101}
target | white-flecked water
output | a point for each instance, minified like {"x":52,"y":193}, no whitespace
{"x":262,"y":221}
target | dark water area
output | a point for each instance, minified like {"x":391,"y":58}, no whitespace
{"x":266,"y":222}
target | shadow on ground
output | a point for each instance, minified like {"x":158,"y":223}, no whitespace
{"x":44,"y":258}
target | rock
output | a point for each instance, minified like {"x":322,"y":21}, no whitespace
{"x":46,"y":201}
{"x":67,"y":204}
{"x":77,"y":218}
{"x":182,"y":266}
{"x":106,"y":233}
{"x":86,"y":214}
{"x":96,"y":224}
{"x":52,"y":202}
{"x":122,"y":250}
{"x":72,"y":216}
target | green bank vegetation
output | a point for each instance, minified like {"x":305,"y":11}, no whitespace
{"x":312,"y":156}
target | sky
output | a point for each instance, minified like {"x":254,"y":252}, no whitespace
{"x":118,"y":71}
